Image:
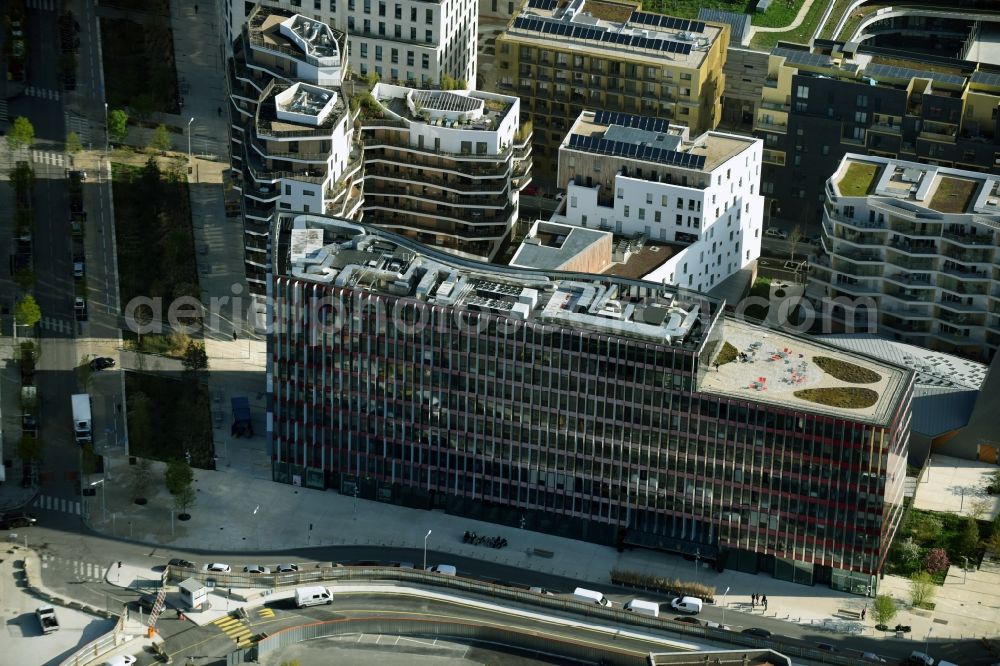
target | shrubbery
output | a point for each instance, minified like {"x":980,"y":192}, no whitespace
{"x":661,"y":584}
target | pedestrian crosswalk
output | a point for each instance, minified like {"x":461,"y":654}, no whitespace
{"x":48,"y":5}
{"x":58,"y":325}
{"x":234,"y":628}
{"x":264,"y":611}
{"x":44,"y":93}
{"x":50,"y":503}
{"x":48,"y":157}
{"x":3,"y":110}
{"x":81,"y":569}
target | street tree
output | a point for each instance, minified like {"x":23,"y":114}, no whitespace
{"x":22,"y":179}
{"x":794,"y":237}
{"x":160,"y":141}
{"x":179,"y":475}
{"x":967,"y":541}
{"x":142,"y":477}
{"x":195,"y":357}
{"x":29,"y":448}
{"x":184,"y":498}
{"x":980,"y":507}
{"x":884,"y":609}
{"x":117,"y":125}
{"x":936,"y":560}
{"x":21,"y":134}
{"x":73,"y":143}
{"x":27,"y":312}
{"x":921,"y":588}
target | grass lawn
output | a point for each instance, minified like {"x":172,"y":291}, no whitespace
{"x":139,"y":68}
{"x":846,"y":372}
{"x":839,"y":8}
{"x":927,"y":530}
{"x":156,"y":255}
{"x":727,"y":355}
{"x":168,"y":417}
{"x":780,"y":13}
{"x":953,"y":195}
{"x":800,"y":35}
{"x":858,"y":179}
{"x":761,"y":289}
{"x":847,"y":397}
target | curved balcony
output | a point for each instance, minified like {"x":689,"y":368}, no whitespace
{"x":377,"y":169}
{"x":502,"y":217}
{"x":488,"y":202}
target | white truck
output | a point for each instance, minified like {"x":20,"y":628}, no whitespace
{"x":47,"y":619}
{"x":81,"y":419}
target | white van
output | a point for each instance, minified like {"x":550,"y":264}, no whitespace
{"x":687,"y":605}
{"x":446,"y":569}
{"x":592,"y":596}
{"x":312,"y":596}
{"x":643,"y":607}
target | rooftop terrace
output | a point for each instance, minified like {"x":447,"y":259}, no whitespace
{"x":460,"y":109}
{"x":800,"y":372}
{"x":935,"y":188}
{"x":295,"y":35}
{"x":346,"y":254}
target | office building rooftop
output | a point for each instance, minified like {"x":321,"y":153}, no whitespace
{"x":603,"y":27}
{"x":551,"y":246}
{"x":340,"y":253}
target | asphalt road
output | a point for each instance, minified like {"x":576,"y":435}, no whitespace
{"x":68,"y":549}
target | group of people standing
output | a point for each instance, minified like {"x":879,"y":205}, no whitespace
{"x":758,"y":600}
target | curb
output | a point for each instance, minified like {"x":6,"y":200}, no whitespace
{"x":33,"y":586}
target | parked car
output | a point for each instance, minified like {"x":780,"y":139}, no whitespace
{"x":102,"y":363}
{"x":13,"y":521}
{"x":918,"y":658}
{"x":256,"y":569}
{"x":826,"y":647}
{"x":776,"y":233}
{"x":217,"y":567}
{"x":446,"y":569}
{"x":871,"y":656}
{"x":120,"y":660}
{"x":687,"y":605}
{"x":757,"y":632}
{"x":688,"y":620}
{"x":286,"y":568}
{"x":178,"y":562}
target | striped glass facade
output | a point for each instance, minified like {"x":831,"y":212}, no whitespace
{"x":612,"y":433}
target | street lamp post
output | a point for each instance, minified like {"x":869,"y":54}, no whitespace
{"x":189,"y":138}
{"x":425,"y":548}
{"x":104,"y":506}
{"x":107,"y":131}
{"x":256,"y":525}
{"x":927,"y":642}
{"x":965,"y":569}
{"x":724,"y":594}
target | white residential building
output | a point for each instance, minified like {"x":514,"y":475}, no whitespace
{"x":416,"y":42}
{"x":919,"y":243}
{"x":444,"y":167}
{"x":292,"y":134}
{"x":697,"y":199}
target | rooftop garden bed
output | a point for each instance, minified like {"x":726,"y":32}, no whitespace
{"x":727,"y":355}
{"x":857,"y":180}
{"x":953,"y":194}
{"x":846,"y":372}
{"x":845,"y":397}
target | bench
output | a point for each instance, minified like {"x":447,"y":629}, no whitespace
{"x":854,"y":615}
{"x":543,"y":553}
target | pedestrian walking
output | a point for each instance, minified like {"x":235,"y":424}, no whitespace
{"x":864,"y":611}
{"x":753,"y":600}
{"x":196,"y":9}
{"x":763,"y":600}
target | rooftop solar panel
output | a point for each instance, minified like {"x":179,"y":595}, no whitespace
{"x":986,"y":78}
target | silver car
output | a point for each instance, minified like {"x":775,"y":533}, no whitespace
{"x":218,"y":567}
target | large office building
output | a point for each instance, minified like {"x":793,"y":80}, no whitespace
{"x":445,"y":167}
{"x":416,"y":42}
{"x":919,"y":245}
{"x":291,"y":131}
{"x":601,"y":408}
{"x":564,"y":57}
{"x":642,"y":177}
{"x":820,"y":103}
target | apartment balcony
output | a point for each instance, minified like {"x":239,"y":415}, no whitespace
{"x":419,"y":192}
{"x":886,"y":128}
{"x":915,"y":230}
{"x":972,"y":240}
{"x":770,"y":126}
{"x":866,"y":288}
{"x":774,"y":157}
{"x":908,"y":327}
{"x":963,"y":273}
{"x":471,"y":219}
{"x":911,"y":263}
{"x":960,"y":306}
{"x":434,"y":227}
{"x":774,"y":106}
{"x":947,"y":135}
{"x":256,"y":211}
{"x":964,"y":288}
{"x":903,"y":312}
{"x":911,"y":295}
{"x":855,"y":238}
{"x":914,"y":248}
{"x":381,"y":148}
{"x":916,"y":281}
{"x":484,"y":186}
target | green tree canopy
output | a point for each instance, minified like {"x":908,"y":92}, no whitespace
{"x":21,"y":134}
{"x":195,"y":357}
{"x":142,"y":476}
{"x":921,"y":588}
{"x":178,"y":476}
{"x":27,"y":312}
{"x":117,"y":125}
{"x":73,"y":143}
{"x":184,"y":498}
{"x":884,"y":609}
{"x":967,"y":541}
{"x":160,"y":141}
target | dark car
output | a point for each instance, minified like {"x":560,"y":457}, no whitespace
{"x":826,"y":647}
{"x":15,"y":520}
{"x":178,"y":562}
{"x":689,"y":620}
{"x":757,"y":632}
{"x":102,"y":363}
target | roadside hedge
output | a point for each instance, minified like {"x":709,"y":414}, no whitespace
{"x":670,"y":586}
